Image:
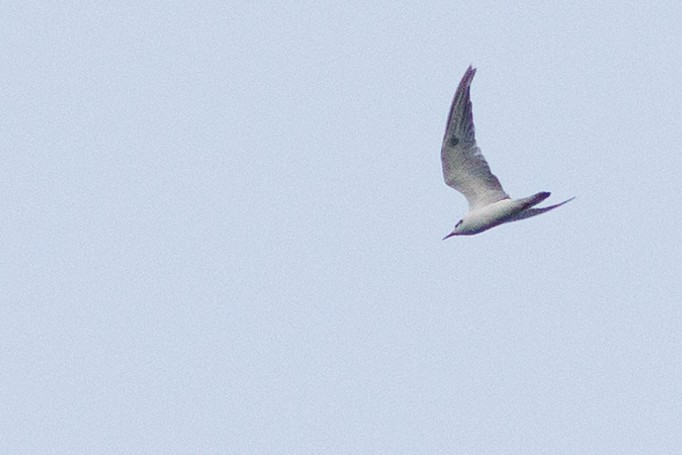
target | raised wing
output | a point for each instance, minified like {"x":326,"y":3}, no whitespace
{"x":464,"y":167}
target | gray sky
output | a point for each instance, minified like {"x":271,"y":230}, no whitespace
{"x":221,"y":229}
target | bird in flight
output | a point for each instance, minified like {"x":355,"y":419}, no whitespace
{"x":466,"y":170}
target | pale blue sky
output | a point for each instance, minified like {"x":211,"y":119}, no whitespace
{"x":222,"y":221}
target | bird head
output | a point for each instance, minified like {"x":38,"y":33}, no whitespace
{"x":455,"y":231}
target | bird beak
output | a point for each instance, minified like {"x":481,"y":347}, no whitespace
{"x":449,"y":235}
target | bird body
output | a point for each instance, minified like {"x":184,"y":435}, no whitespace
{"x":466,"y":170}
{"x":491,"y":215}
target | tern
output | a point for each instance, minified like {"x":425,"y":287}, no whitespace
{"x":466,"y":170}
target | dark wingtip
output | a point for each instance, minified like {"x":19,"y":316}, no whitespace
{"x":469,"y":74}
{"x":467,"y":78}
{"x":462,"y":100}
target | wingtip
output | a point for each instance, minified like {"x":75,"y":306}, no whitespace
{"x":465,"y":82}
{"x":470,"y":72}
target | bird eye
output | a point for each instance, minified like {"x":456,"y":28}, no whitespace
{"x":458,"y":223}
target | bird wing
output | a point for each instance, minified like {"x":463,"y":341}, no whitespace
{"x":464,"y":167}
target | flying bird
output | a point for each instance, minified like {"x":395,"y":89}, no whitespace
{"x":466,"y":170}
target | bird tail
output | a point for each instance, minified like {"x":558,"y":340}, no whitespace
{"x":533,"y":212}
{"x":535,"y":199}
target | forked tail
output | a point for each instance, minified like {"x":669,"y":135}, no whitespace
{"x":529,"y":212}
{"x":535,"y":199}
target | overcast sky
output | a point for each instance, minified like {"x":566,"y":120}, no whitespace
{"x":221,"y":229}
